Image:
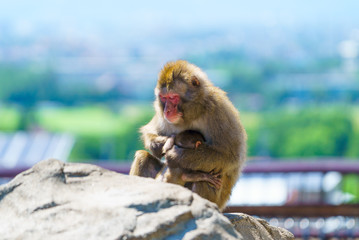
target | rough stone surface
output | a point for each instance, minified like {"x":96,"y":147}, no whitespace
{"x":54,"y":200}
{"x":253,"y":228}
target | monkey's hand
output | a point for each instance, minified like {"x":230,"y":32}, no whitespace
{"x":156,"y":145}
{"x":169,"y":144}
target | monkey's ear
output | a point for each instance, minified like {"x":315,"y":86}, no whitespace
{"x":195,"y":82}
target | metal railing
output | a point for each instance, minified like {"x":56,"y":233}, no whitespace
{"x":309,"y":216}
{"x":255,"y":165}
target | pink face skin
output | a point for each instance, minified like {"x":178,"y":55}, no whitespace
{"x":171,"y":100}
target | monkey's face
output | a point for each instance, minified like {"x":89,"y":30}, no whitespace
{"x":170,"y":102}
{"x":189,"y":139}
{"x":178,"y":92}
{"x":178,"y":98}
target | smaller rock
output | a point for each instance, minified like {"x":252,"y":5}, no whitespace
{"x":256,"y":228}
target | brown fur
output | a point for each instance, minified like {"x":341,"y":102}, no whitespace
{"x":191,"y":140}
{"x":188,"y":139}
{"x":205,"y":109}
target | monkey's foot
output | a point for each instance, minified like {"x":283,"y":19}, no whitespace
{"x":217,"y":182}
{"x":215,"y":179}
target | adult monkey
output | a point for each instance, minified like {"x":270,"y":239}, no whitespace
{"x":187,"y":100}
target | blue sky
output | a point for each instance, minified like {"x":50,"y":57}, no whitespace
{"x":143,"y":14}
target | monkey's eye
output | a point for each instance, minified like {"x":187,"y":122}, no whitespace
{"x":195,"y":81}
{"x":162,"y":98}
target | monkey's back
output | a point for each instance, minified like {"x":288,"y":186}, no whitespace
{"x":230,"y":135}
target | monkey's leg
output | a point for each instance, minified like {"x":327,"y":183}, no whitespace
{"x":173,"y":175}
{"x":145,"y":165}
{"x":214,"y":179}
{"x":208,"y":191}
{"x":225,"y":193}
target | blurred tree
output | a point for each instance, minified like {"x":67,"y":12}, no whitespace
{"x":307,"y":132}
{"x":350,"y":185}
{"x":26,"y":86}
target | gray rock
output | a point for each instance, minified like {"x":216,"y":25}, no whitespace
{"x":54,"y":200}
{"x":244,"y":224}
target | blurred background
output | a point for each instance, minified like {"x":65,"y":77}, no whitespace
{"x":77,"y":80}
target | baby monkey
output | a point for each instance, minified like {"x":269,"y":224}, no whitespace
{"x":191,"y":140}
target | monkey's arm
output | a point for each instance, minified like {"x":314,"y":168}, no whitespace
{"x":155,"y":144}
{"x":219,"y":153}
{"x":205,"y":158}
{"x":152,"y":140}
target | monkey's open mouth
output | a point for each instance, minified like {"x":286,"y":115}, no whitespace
{"x":172,"y":114}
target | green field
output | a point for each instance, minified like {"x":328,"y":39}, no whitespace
{"x":112,"y":133}
{"x":9,"y":119}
